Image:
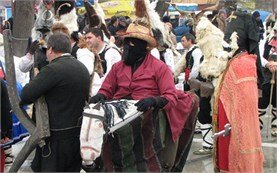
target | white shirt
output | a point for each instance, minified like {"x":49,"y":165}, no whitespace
{"x":26,"y":63}
{"x":96,"y":84}
{"x":169,"y":59}
{"x":86,"y":57}
{"x":112,"y":56}
{"x":155,"y":52}
{"x":196,"y":55}
{"x":21,"y":77}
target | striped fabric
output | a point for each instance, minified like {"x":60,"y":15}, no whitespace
{"x":137,"y":152}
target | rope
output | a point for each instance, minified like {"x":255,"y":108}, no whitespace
{"x":19,"y":39}
{"x":49,"y":151}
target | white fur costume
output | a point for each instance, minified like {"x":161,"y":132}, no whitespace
{"x":69,"y":20}
{"x":210,"y":41}
{"x":42,"y":21}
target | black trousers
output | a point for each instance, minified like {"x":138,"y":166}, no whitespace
{"x":264,"y":100}
{"x":61,"y":155}
{"x":204,"y":114}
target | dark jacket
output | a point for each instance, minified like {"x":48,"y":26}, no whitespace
{"x":65,"y":84}
{"x":74,"y":50}
{"x":6,"y":119}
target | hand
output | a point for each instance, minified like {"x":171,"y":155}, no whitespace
{"x":33,"y":47}
{"x":272,"y":66}
{"x":5,"y":140}
{"x":97,"y":98}
{"x":194,"y":84}
{"x":145,"y":104}
{"x":206,"y":89}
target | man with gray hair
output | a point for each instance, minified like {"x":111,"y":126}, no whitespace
{"x":64,"y":83}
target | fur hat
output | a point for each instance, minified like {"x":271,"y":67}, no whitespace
{"x":148,"y":17}
{"x":138,"y":31}
{"x":66,"y":13}
{"x":63,"y":7}
{"x":60,"y":27}
{"x":210,"y":39}
{"x":45,"y":19}
{"x":96,"y":17}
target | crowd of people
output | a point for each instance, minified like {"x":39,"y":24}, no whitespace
{"x":126,"y":60}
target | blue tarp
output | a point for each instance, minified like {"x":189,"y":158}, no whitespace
{"x":8,"y":12}
{"x":188,"y":7}
{"x":263,"y":14}
{"x":80,"y":3}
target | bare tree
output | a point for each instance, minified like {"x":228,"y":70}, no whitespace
{"x":23,"y":21}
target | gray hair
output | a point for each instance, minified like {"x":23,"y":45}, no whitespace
{"x":60,"y":43}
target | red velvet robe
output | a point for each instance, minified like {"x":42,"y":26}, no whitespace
{"x":152,"y":78}
{"x":241,"y":150}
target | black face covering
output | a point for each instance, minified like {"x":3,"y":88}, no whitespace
{"x":134,"y":50}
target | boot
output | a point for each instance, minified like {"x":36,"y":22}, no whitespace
{"x":274,"y":123}
{"x":197,"y":128}
{"x":262,"y":112}
{"x":8,"y":153}
{"x":207,"y":145}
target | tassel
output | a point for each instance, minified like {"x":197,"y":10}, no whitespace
{"x":140,"y":8}
{"x":105,"y":30}
{"x":63,"y":7}
{"x":94,"y":19}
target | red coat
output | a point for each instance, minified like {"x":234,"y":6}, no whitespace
{"x":152,"y":78}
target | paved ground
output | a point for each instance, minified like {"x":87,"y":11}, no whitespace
{"x":195,"y":164}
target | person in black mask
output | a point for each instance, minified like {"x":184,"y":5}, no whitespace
{"x":140,"y":76}
{"x":134,"y":52}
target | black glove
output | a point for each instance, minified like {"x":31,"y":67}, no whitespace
{"x":96,"y":166}
{"x":33,"y":47}
{"x":147,"y":103}
{"x":97,"y":98}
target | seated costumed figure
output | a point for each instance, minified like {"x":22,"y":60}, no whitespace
{"x":158,"y":138}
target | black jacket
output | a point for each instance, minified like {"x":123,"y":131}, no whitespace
{"x":6,"y":118}
{"x":65,"y":84}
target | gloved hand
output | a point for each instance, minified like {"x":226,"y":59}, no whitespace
{"x":194,"y":84}
{"x":33,"y":47}
{"x":90,"y":168}
{"x":147,"y":103}
{"x":206,"y":89}
{"x":96,"y":166}
{"x":97,"y":98}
